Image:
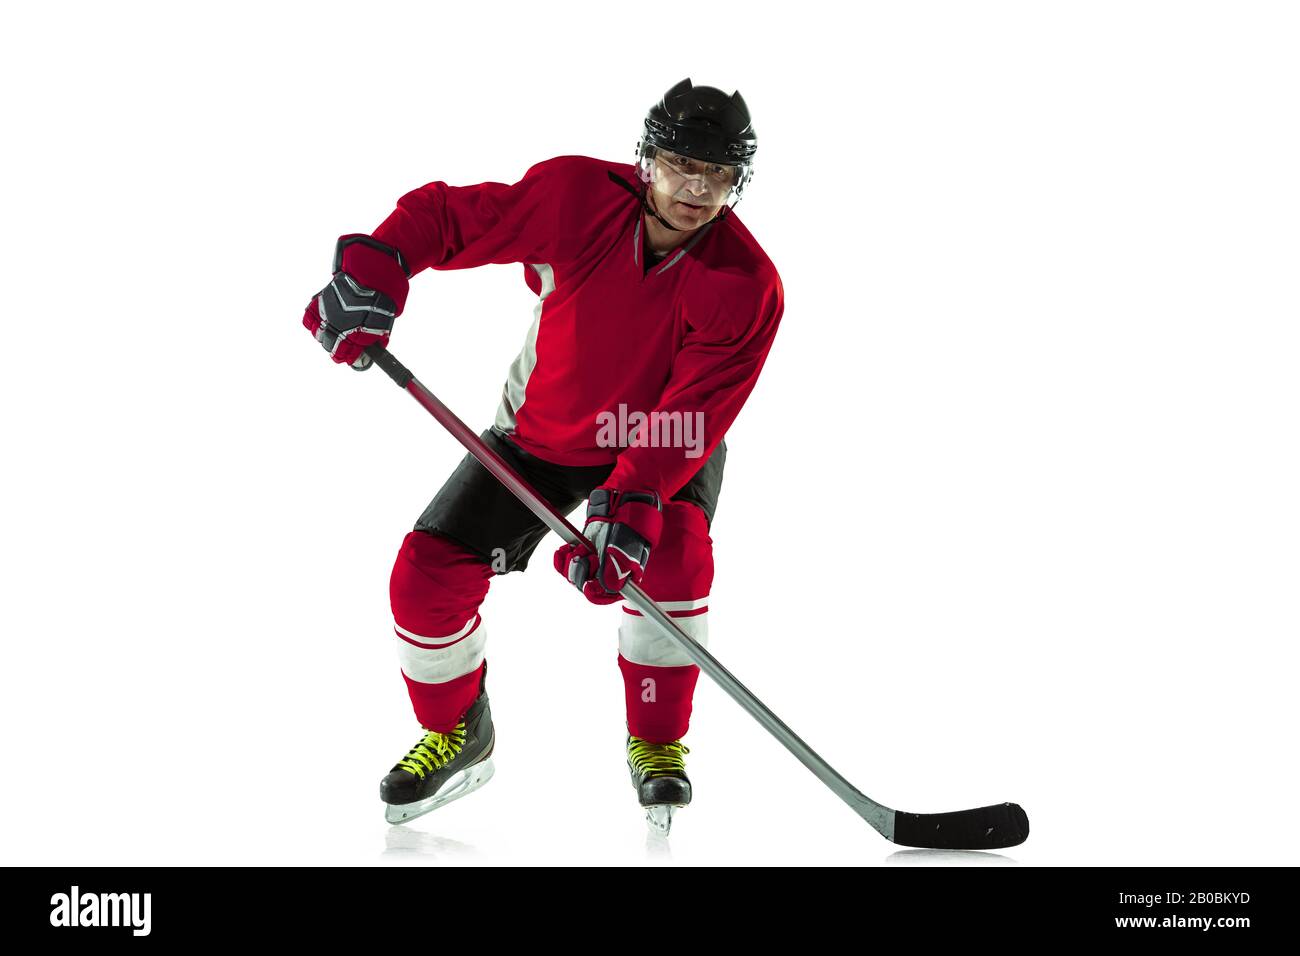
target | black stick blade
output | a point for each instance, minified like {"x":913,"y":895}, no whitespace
{"x":984,"y":828}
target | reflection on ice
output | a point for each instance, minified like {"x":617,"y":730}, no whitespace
{"x":405,"y":841}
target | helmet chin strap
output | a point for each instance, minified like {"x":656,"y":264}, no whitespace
{"x":718,"y":216}
{"x":645,"y":201}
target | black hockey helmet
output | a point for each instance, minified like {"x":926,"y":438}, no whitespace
{"x":704,"y":123}
{"x":701,"y":123}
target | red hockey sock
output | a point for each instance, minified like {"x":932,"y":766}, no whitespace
{"x":436,"y":588}
{"x":658,"y":699}
{"x":440,"y":706}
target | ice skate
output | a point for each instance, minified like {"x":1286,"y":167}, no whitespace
{"x":442,"y":767}
{"x":659,"y":776}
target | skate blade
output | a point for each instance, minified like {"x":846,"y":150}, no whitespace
{"x":660,"y":819}
{"x":456,"y":786}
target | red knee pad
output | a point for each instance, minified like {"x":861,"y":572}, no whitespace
{"x":436,"y":585}
{"x":681,"y":565}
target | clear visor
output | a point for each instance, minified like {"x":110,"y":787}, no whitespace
{"x":693,"y":182}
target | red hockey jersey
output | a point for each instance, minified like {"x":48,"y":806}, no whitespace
{"x":681,"y":342}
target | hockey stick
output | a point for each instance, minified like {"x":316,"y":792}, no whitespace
{"x":982,"y":828}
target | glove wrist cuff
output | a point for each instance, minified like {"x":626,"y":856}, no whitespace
{"x":375,"y":265}
{"x":639,"y":510}
{"x":647,"y":520}
{"x":356,"y":238}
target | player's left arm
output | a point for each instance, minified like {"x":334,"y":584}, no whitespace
{"x":713,"y":374}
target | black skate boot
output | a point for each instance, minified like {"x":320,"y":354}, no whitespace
{"x":442,"y":767}
{"x":659,"y":776}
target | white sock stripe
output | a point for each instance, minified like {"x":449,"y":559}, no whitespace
{"x":437,"y":665}
{"x":469,"y":626}
{"x":671,"y":606}
{"x":641,"y":642}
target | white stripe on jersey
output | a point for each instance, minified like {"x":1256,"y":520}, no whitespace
{"x":512,"y":394}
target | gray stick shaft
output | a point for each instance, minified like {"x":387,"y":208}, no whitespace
{"x":879,"y":816}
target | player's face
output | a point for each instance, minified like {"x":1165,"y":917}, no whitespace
{"x":689,"y":192}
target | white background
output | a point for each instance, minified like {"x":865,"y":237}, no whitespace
{"x":1011,"y":515}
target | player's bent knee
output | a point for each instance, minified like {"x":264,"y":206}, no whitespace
{"x":681,"y":565}
{"x":436,"y":585}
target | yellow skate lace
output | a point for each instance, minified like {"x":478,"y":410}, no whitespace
{"x":433,"y":752}
{"x":648,"y":758}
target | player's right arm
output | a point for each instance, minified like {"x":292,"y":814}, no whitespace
{"x":433,"y":227}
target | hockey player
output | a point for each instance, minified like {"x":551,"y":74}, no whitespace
{"x":655,"y":306}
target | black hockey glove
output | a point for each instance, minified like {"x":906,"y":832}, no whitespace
{"x":358,"y":307}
